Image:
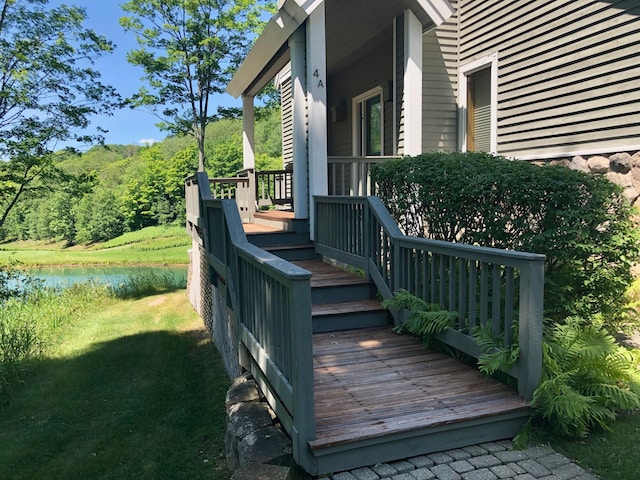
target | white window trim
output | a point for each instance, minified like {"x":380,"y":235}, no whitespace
{"x":468,"y":69}
{"x":356,"y":120}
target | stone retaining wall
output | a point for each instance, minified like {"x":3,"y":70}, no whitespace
{"x":621,"y":168}
{"x":255,"y":446}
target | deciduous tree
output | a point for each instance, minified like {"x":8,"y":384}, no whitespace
{"x":188,"y":49}
{"x":48,"y":90}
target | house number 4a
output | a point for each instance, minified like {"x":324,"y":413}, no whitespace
{"x":317,"y":75}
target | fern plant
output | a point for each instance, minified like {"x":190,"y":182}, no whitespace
{"x":586,"y":380}
{"x":495,"y":354}
{"x":424,"y":319}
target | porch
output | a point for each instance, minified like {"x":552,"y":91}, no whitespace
{"x":347,"y":390}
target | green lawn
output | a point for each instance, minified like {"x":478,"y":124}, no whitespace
{"x":149,"y":246}
{"x":133,"y":391}
{"x":610,"y":455}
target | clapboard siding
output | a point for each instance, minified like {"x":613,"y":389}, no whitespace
{"x":439,"y":86}
{"x":567,"y":72}
{"x":370,"y":71}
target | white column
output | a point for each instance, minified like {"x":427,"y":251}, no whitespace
{"x":248,"y":136}
{"x":412,"y":84}
{"x":299,"y":92}
{"x":317,"y":107}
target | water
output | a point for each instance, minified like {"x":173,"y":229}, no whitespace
{"x":61,"y":277}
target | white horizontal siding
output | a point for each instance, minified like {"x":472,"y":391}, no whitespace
{"x":568,"y":72}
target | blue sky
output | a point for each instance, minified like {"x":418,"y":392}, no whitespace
{"x":125,"y":126}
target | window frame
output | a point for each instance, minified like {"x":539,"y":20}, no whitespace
{"x":488,"y":61}
{"x":359,"y":126}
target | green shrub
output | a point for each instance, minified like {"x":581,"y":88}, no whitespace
{"x":580,"y":222}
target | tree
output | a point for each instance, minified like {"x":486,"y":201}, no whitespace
{"x":48,"y":91}
{"x":188,"y":51}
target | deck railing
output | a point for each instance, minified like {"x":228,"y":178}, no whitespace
{"x":274,"y":187}
{"x":270,"y":304}
{"x":350,"y":175}
{"x":486,"y":286}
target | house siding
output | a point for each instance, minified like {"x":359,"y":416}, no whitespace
{"x":440,"y":87}
{"x":567,"y":72}
{"x":373,"y":70}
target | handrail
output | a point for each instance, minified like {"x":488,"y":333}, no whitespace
{"x":269,"y":300}
{"x":486,"y":286}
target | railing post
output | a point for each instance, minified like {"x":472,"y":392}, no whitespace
{"x":251,"y":194}
{"x":302,"y":374}
{"x":530,"y":327}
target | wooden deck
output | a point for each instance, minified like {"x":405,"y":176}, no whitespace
{"x":373,"y":382}
{"x":380,"y":396}
{"x":374,"y":387}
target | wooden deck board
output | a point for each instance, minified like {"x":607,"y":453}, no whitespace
{"x":372,"y":382}
{"x":325,"y":275}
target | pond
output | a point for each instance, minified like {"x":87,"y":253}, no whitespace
{"x":66,"y":276}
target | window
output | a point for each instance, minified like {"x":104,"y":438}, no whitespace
{"x":478,"y":100}
{"x":368,"y":124}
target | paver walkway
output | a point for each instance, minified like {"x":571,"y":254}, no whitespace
{"x":487,"y":461}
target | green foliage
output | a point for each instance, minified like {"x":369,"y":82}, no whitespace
{"x":98,"y":217}
{"x":580,"y":222}
{"x":587,"y":379}
{"x":48,"y":91}
{"x":496,"y":356}
{"x":188,"y":49}
{"x":424,"y":319}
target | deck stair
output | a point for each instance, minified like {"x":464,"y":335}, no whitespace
{"x":342,"y":300}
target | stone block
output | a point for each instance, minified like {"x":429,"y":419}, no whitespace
{"x":246,"y":391}
{"x":245,"y":418}
{"x":620,"y":162}
{"x":579,"y":164}
{"x":631,"y":194}
{"x":623,"y":179}
{"x":263,"y":446}
{"x":598,"y":164}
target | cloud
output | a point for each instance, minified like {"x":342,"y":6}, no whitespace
{"x":147,"y":141}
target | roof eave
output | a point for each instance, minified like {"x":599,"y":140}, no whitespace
{"x":275,"y":34}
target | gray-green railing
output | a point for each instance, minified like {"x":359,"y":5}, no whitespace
{"x":270,"y":303}
{"x":496,"y":288}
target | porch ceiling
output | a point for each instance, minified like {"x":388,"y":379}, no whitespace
{"x":352,"y":28}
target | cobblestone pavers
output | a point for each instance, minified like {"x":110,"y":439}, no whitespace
{"x":487,"y":461}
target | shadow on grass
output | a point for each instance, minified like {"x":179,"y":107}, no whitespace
{"x":146,"y":406}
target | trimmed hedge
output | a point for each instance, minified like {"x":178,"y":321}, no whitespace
{"x":580,"y":222}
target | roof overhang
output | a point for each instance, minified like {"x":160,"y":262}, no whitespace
{"x":270,"y":51}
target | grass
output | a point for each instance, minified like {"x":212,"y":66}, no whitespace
{"x":610,"y":455}
{"x":165,"y":245}
{"x":133,"y":390}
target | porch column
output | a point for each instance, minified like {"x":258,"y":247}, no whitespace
{"x":412,"y":84}
{"x":248,"y":136}
{"x":317,"y":107}
{"x":297,"y":47}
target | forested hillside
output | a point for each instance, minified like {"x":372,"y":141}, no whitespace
{"x":111,"y":189}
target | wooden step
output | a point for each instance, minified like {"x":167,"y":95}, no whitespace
{"x":293,"y":253}
{"x":331,"y":284}
{"x":328,"y":317}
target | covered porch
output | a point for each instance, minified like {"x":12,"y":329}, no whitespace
{"x":351,"y":83}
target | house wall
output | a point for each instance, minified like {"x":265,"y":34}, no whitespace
{"x":440,"y":87}
{"x":373,"y":70}
{"x":567,"y":73}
